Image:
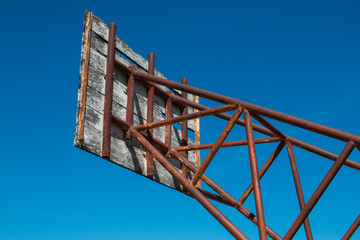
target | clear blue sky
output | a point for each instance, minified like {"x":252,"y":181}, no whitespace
{"x":301,"y":58}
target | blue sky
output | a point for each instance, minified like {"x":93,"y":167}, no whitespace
{"x":298,"y":57}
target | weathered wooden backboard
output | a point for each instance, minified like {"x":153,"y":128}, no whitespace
{"x":89,"y":124}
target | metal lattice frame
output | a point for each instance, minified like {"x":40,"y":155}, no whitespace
{"x":143,"y":134}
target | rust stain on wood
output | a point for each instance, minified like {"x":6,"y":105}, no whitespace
{"x":84,"y":80}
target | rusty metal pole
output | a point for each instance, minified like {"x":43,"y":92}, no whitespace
{"x":249,"y":215}
{"x":184,"y":129}
{"x":352,"y":229}
{"x":84,"y":78}
{"x":282,"y":117}
{"x":205,"y":113}
{"x":268,"y":125}
{"x":150,"y":114}
{"x":322,"y":152}
{"x":194,"y":192}
{"x":255,"y":176}
{"x":217,"y":146}
{"x":298,"y":187}
{"x":319,"y":191}
{"x":130,"y":100}
{"x":227,"y":144}
{"x":262,"y":171}
{"x":108,"y":92}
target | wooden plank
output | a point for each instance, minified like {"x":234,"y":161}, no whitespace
{"x":98,"y":63}
{"x":84,"y":76}
{"x":82,"y":63}
{"x":101,"y":29}
{"x":128,"y":154}
{"x":125,"y":153}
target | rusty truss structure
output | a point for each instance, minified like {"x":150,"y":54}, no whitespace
{"x":161,"y":151}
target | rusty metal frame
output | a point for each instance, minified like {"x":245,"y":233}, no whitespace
{"x":143,"y":134}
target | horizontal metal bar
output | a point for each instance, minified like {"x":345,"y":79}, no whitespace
{"x":190,"y":116}
{"x":227,"y":144}
{"x":322,"y":152}
{"x":124,"y":125}
{"x":224,"y":116}
{"x":295,"y":121}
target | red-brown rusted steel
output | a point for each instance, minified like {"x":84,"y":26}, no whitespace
{"x":255,"y":175}
{"x":219,"y":198}
{"x":282,"y":117}
{"x":319,"y":191}
{"x":190,"y":116}
{"x":227,"y":144}
{"x":124,"y":125}
{"x":181,"y":101}
{"x":217,"y":146}
{"x":357,"y":146}
{"x":84,"y":79}
{"x":224,"y":116}
{"x":184,"y":129}
{"x":193,"y":191}
{"x":108,"y":92}
{"x":130,"y":100}
{"x":261,"y":129}
{"x":243,"y":210}
{"x":322,"y":152}
{"x":262,"y":171}
{"x":168,"y":115}
{"x":150,"y":113}
{"x":298,"y":187}
{"x":268,"y":125}
{"x":258,"y":113}
{"x":352,"y":229}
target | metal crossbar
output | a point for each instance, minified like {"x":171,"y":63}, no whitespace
{"x":154,"y":147}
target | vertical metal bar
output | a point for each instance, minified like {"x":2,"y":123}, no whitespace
{"x":263,"y":171}
{"x":298,"y":187}
{"x":184,"y":129}
{"x":217,"y":146}
{"x":150,"y":114}
{"x":108,"y":92}
{"x":84,"y":78}
{"x":197,"y":139}
{"x":255,"y":176}
{"x":168,"y":115}
{"x":130,"y":99}
{"x":319,"y":191}
{"x":194,"y":192}
{"x":352,"y":229}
